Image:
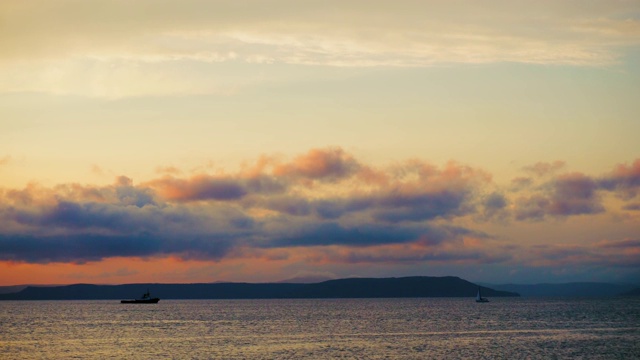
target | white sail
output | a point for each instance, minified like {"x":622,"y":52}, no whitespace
{"x":479,"y":297}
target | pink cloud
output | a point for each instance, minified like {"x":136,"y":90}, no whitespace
{"x":412,"y":212}
{"x":574,"y":194}
{"x":329,"y":164}
{"x":566,"y":195}
{"x":200,"y":187}
{"x":624,"y":179}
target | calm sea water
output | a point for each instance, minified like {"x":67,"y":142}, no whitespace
{"x":322,"y":329}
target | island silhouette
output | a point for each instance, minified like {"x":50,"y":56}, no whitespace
{"x":401,"y":287}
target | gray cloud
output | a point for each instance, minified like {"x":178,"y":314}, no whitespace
{"x":624,"y":179}
{"x":566,"y":195}
{"x":92,"y":247}
{"x":74,"y":248}
{"x":364,"y":235}
{"x":633,"y":206}
{"x":421,"y":206}
{"x":265,"y":210}
{"x":575,"y":194}
{"x":434,"y":256}
{"x":578,"y":194}
{"x":336,"y":234}
{"x":289,"y":205}
{"x":102,"y":217}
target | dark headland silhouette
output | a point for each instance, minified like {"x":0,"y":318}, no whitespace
{"x":403,"y":287}
{"x":633,"y":292}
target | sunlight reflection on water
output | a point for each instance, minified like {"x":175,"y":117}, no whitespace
{"x":344,"y":328}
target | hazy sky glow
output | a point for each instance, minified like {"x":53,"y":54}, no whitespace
{"x":197,"y":141}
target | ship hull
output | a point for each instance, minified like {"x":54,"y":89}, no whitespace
{"x":141,"y":301}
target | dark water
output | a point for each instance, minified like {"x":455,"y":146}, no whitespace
{"x":317,"y":329}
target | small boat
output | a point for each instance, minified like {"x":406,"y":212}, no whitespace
{"x":479,"y":297}
{"x":146,"y":299}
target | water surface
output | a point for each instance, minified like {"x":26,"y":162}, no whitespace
{"x":316,"y":329}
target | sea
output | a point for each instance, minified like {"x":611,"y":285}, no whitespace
{"x":414,"y":328}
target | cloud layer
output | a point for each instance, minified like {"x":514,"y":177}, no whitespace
{"x":92,"y":47}
{"x":323,"y":207}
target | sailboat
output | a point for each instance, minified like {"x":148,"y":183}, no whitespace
{"x":479,"y":297}
{"x":146,"y":299}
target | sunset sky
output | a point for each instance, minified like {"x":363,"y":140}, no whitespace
{"x":201,"y":141}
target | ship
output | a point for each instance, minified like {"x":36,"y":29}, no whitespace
{"x":145,"y":299}
{"x":479,"y":297}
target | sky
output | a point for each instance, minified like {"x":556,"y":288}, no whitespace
{"x":257,"y":141}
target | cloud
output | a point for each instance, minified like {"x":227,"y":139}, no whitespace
{"x":205,"y":187}
{"x":422,"y":206}
{"x":73,"y":215}
{"x":289,"y":205}
{"x":101,"y":218}
{"x":331,"y":164}
{"x":531,"y":208}
{"x":415,"y":34}
{"x":364,"y":235}
{"x":335,"y":234}
{"x":567,"y":195}
{"x":333,"y":209}
{"x":633,"y":206}
{"x":268,"y":206}
{"x":430,"y":256}
{"x":411,"y":192}
{"x":604,"y":254}
{"x":544,"y":168}
{"x":200,"y":187}
{"x":324,"y":201}
{"x":122,"y":192}
{"x":576,"y":193}
{"x":91,"y":48}
{"x":494,"y":205}
{"x":74,"y":248}
{"x":521,"y":183}
{"x":495,"y":201}
{"x":621,"y":244}
{"x":86,"y":248}
{"x":624,"y":179}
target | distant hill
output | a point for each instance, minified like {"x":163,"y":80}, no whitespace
{"x":417,"y":286}
{"x":575,"y":289}
{"x":633,"y":292}
{"x":305,"y":280}
{"x":12,"y":289}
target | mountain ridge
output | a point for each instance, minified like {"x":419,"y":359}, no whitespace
{"x":402,"y":287}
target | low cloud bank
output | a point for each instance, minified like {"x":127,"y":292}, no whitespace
{"x":325,"y":200}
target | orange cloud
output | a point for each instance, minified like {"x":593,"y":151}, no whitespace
{"x":329,"y":164}
{"x":412,"y":212}
{"x":200,"y":187}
